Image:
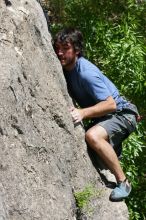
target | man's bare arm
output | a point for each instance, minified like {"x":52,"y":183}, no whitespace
{"x":100,"y":109}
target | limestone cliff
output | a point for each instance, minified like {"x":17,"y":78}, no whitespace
{"x":43,"y":158}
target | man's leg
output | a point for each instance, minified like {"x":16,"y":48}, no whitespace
{"x":97,"y":138}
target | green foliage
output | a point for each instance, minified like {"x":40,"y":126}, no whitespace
{"x":83,"y":197}
{"x":134,"y":163}
{"x":114,"y":34}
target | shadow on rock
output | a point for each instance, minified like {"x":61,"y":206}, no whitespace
{"x":106,"y":176}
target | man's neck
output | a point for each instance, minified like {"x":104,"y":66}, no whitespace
{"x":71,"y":66}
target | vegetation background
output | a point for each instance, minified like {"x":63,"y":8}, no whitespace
{"x":114,"y":35}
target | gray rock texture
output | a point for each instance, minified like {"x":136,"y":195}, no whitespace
{"x":43,"y":158}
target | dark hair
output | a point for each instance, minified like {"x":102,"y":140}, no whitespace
{"x":70,"y":35}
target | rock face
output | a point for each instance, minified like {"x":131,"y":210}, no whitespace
{"x":43,"y":158}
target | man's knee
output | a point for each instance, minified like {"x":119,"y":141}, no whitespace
{"x":90,"y":137}
{"x":94,"y":135}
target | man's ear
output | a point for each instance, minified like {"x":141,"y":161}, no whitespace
{"x":77,"y":52}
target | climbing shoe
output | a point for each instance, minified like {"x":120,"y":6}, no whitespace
{"x":121,"y":191}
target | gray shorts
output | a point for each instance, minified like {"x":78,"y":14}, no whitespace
{"x":118,"y":126}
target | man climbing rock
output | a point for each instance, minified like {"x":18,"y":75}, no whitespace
{"x":113,"y":117}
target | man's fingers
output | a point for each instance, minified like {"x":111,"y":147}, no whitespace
{"x":71,"y":109}
{"x":76,"y":117}
{"x":77,"y":121}
{"x":74,"y":114}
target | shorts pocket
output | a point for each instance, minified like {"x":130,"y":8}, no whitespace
{"x":130,"y":121}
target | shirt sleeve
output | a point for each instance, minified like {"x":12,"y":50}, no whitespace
{"x":95,"y":86}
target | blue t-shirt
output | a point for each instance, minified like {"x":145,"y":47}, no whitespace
{"x":89,"y":86}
